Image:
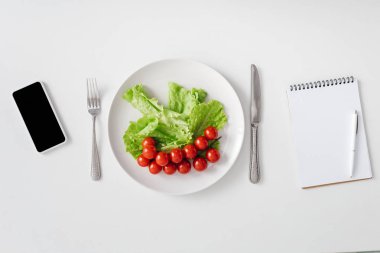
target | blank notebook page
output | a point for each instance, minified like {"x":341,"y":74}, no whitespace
{"x":321,"y":119}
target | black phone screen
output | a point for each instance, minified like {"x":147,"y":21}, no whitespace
{"x":39,"y":116}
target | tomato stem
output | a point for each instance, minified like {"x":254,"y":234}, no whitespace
{"x":214,"y":141}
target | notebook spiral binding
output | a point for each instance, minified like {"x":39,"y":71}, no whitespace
{"x":323,"y":83}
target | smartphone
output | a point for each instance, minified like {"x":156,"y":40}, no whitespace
{"x":39,"y":116}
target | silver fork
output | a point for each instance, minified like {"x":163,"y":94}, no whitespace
{"x":93,"y":106}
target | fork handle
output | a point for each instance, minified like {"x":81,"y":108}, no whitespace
{"x":95,"y":163}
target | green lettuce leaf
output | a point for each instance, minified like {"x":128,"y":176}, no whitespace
{"x":182,"y":100}
{"x":172,"y":131}
{"x":138,"y":98}
{"x":207,"y":114}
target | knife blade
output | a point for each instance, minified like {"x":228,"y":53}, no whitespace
{"x":254,"y":168}
{"x":255,"y":96}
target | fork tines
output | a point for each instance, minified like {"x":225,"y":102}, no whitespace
{"x":93,"y":100}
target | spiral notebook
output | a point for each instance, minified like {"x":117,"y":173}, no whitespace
{"x":321,"y":117}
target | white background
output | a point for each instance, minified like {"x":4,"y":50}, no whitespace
{"x":48,"y":202}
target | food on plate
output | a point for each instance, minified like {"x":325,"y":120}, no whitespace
{"x":148,"y":141}
{"x":176,"y":155}
{"x":211,"y":133}
{"x":190,"y":151}
{"x":170,"y":168}
{"x":200,"y":164}
{"x":212,"y":155}
{"x":142,"y":161}
{"x":154,"y":168}
{"x":184,"y":167}
{"x":201,"y":143}
{"x":166,"y":137}
{"x":162,"y":158}
{"x":149,"y":152}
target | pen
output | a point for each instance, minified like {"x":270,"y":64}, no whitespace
{"x":353,"y":143}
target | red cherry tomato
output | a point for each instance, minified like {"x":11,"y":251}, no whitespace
{"x":211,"y":133}
{"x":154,"y":168}
{"x":170,"y":168}
{"x":184,"y":167}
{"x":200,"y":164}
{"x":201,"y":143}
{"x":162,"y":158}
{"x":190,"y":151}
{"x":142,"y":161}
{"x":212,"y":155}
{"x":176,"y":155}
{"x":148,"y":141}
{"x":149,"y":152}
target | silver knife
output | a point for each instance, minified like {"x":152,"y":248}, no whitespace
{"x":254,"y":169}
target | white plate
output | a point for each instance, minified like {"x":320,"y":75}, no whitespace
{"x":155,"y":78}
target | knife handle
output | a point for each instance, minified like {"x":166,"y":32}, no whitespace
{"x":254,"y":170}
